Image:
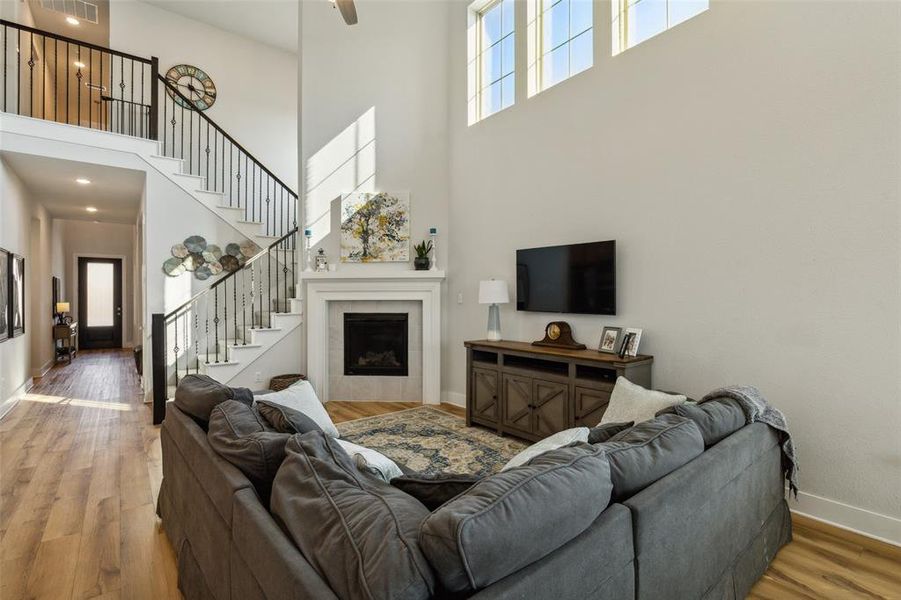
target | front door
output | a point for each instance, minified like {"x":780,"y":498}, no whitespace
{"x":99,"y":303}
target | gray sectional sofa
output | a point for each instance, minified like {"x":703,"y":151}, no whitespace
{"x":707,"y":529}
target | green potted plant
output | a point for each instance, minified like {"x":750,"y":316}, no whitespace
{"x":422,"y":262}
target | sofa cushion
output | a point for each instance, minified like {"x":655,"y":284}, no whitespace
{"x":631,"y":402}
{"x":240,"y":435}
{"x":285,"y":419}
{"x":435,"y":490}
{"x":511,"y":519}
{"x":197,"y":395}
{"x":552,"y":442}
{"x":602,"y":433}
{"x":302,"y":398}
{"x":357,"y":531}
{"x":641,"y":455}
{"x":717,"y":419}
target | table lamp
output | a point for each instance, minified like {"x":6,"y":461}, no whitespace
{"x":493,"y":292}
{"x":61,"y":309}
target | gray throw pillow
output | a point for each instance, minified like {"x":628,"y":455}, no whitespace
{"x":285,"y":419}
{"x":717,"y":419}
{"x":197,"y":395}
{"x":641,"y":455}
{"x":357,"y":531}
{"x":435,"y":490}
{"x":511,"y":519}
{"x":602,"y":433}
{"x":239,"y":435}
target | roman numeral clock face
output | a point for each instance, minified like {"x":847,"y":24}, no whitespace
{"x":192,"y":83}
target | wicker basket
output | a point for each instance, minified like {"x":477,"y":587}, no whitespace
{"x":280,"y":382}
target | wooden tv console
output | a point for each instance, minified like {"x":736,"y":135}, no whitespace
{"x":534,"y":391}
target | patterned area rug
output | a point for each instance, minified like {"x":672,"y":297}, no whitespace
{"x":429,"y":440}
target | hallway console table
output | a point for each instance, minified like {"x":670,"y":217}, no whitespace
{"x":65,"y":339}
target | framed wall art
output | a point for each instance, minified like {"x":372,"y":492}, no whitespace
{"x":16,"y":295}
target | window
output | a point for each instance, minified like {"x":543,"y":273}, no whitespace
{"x":491,"y":58}
{"x":635,"y":21}
{"x":561,"y":44}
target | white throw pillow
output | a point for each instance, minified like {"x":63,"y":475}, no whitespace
{"x":558,"y":440}
{"x":302,"y":397}
{"x":384,"y":467}
{"x":631,"y":402}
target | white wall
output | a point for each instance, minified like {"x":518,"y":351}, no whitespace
{"x":45,"y":263}
{"x":256,"y":84}
{"x":746,"y":162}
{"x":374,"y":112}
{"x":15,"y":227}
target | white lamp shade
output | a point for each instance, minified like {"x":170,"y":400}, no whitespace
{"x":493,"y":291}
{"x":62,"y":307}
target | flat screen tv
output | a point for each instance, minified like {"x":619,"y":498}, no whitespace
{"x":578,"y":278}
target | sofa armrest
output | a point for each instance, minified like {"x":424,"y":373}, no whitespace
{"x":596,"y":564}
{"x":275,"y":563}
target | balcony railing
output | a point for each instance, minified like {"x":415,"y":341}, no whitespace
{"x":55,"y":78}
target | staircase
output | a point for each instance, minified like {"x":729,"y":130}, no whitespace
{"x":245,"y":312}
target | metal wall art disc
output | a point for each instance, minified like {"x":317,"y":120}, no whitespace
{"x":229,"y":263}
{"x":194,"y":261}
{"x":233,"y":249}
{"x":249,"y":249}
{"x":214,"y":267}
{"x":202,"y":273}
{"x":173,"y":267}
{"x":212,"y":253}
{"x":179,"y":251}
{"x":195,"y":243}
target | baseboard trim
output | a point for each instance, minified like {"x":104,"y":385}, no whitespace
{"x":11,"y":402}
{"x":851,"y":518}
{"x":455,"y":398}
{"x":43,"y":369}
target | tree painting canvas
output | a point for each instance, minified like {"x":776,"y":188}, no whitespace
{"x":375,"y":227}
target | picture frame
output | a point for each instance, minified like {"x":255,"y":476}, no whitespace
{"x":54,"y":287}
{"x":16,"y":295}
{"x":611,"y":337}
{"x":631,"y":342}
{"x":5,"y":260}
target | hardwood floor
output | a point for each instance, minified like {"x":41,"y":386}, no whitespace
{"x":80,"y":470}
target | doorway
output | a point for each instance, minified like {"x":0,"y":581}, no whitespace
{"x":99,"y":303}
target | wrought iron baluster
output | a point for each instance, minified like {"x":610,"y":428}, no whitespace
{"x":252,"y":297}
{"x":142,"y":102}
{"x":122,"y":94}
{"x":190,"y":142}
{"x":44,"y":77}
{"x":181,"y":153}
{"x":31,"y":64}
{"x":215,"y":160}
{"x":196,"y":342}
{"x":185,"y":316}
{"x":235,"y":307}
{"x":100,"y":92}
{"x":238,"y":177}
{"x":206,"y":326}
{"x":225,"y":318}
{"x":19,"y":71}
{"x":216,"y":321}
{"x":175,"y":349}
{"x":207,"y":181}
{"x":5,"y":69}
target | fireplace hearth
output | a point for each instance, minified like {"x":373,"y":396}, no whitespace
{"x":376,"y":344}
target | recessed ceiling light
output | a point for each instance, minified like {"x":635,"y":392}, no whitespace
{"x":83,"y":181}
{"x":72,"y":21}
{"x":79,"y":64}
{"x":91,"y":209}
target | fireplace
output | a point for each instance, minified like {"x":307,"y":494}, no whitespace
{"x":376,"y":344}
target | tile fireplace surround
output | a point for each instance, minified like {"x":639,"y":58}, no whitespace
{"x":375,"y":290}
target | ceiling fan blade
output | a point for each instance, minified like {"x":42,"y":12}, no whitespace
{"x":348,"y":11}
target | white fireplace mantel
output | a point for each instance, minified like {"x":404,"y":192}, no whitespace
{"x":362,"y":285}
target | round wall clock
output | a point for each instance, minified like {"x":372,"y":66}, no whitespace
{"x":194,"y":84}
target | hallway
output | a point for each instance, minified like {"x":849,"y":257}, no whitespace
{"x":80,"y":468}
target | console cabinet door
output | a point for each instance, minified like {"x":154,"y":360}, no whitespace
{"x":484,"y":394}
{"x":517,"y":398}
{"x":550,"y":407}
{"x":590,"y":406}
